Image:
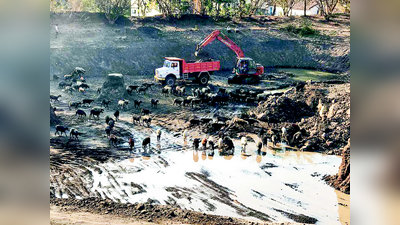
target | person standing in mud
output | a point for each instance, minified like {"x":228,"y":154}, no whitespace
{"x":196,"y":143}
{"x":211,"y":143}
{"x":259,"y":147}
{"x":184,"y":134}
{"x":284,"y":134}
{"x":204,"y":143}
{"x":158,"y":135}
{"x":261,"y":133}
{"x":57,"y":31}
{"x":131,"y":143}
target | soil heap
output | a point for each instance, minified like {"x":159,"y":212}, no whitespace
{"x":113,"y":88}
{"x":282,"y":109}
{"x":53,"y":118}
{"x":321,"y":110}
{"x":341,"y":181}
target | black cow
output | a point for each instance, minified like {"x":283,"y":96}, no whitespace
{"x":105,"y":103}
{"x":116,"y":114}
{"x":96,"y":112}
{"x":60,"y":129}
{"x":87,"y":101}
{"x":137,"y":103}
{"x":154,"y":103}
{"x":145,"y":111}
{"x":80,"y":113}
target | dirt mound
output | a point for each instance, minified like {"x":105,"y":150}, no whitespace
{"x":341,"y":181}
{"x":322,"y":112}
{"x":281,"y":109}
{"x":113,"y":88}
{"x":145,"y":211}
{"x":53,"y":118}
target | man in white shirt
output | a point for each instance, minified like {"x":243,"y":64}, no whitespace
{"x":57,"y":31}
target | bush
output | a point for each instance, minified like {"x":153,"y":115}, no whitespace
{"x":305,"y":29}
{"x":113,"y":9}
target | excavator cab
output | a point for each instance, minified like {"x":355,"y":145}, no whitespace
{"x":245,"y":66}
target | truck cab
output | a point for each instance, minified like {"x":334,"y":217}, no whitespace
{"x":169,"y":68}
{"x":178,"y":69}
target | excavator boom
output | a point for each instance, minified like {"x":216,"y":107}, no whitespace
{"x":222,"y":38}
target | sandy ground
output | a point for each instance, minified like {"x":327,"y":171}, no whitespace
{"x":65,"y":217}
{"x":344,"y":207}
{"x":58,"y":217}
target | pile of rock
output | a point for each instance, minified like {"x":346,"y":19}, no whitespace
{"x":281,"y":109}
{"x":341,"y":181}
{"x":54,"y":120}
{"x":322,"y":110}
{"x":113,"y":88}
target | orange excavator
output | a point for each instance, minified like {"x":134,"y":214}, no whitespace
{"x":246,"y":69}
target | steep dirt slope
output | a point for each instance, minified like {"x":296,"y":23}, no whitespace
{"x":138,"y":47}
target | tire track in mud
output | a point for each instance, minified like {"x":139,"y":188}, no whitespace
{"x":223,"y":196}
{"x":73,"y":162}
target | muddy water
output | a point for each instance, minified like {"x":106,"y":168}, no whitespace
{"x":240,"y":185}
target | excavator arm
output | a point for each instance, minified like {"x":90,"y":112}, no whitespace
{"x":222,"y":38}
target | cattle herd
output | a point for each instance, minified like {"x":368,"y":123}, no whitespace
{"x":199,"y":97}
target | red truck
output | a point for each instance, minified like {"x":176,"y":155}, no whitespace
{"x":178,"y":69}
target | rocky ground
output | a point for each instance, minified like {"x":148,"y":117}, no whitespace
{"x":341,"y":181}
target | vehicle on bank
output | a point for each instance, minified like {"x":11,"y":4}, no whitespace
{"x":176,"y":69}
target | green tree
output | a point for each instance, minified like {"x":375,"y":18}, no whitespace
{"x":113,"y":9}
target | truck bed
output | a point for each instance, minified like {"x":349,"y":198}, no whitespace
{"x":201,"y":67}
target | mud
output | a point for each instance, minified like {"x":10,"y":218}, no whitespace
{"x":341,"y":181}
{"x":149,"y":212}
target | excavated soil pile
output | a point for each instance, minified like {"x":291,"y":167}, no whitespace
{"x":282,"y":109}
{"x":54,"y":120}
{"x":341,"y":181}
{"x":321,"y":110}
{"x":113,"y":88}
{"x":144,"y":211}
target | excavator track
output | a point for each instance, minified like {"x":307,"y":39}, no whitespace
{"x":244,"y":80}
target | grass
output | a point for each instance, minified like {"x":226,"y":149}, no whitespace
{"x":302,"y":31}
{"x":304,"y":75}
{"x":305,"y":29}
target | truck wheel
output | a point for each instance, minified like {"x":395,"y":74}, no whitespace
{"x":170,"y":81}
{"x":203,"y":79}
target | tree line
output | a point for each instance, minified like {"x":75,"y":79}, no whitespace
{"x":175,"y":8}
